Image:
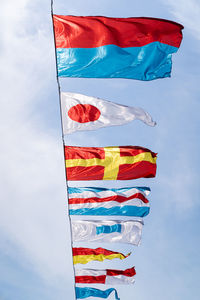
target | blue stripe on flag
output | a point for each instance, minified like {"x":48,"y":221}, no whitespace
{"x":108,"y":229}
{"x":82,"y":293}
{"x":126,"y":210}
{"x":73,"y":190}
{"x":143,"y":63}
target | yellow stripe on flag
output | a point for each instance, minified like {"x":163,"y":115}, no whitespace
{"x":111,"y":163}
{"x":144,"y":156}
{"x":84,"y":162}
{"x":84,"y":259}
{"x":112,"y":160}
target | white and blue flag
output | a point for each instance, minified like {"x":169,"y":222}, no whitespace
{"x":111,"y":231}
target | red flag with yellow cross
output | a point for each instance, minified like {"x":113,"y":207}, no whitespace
{"x":109,"y":163}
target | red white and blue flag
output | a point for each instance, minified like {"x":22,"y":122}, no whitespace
{"x":128,"y":201}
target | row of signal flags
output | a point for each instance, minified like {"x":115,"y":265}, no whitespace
{"x":102,"y":47}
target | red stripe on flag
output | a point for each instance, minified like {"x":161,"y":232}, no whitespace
{"x":97,"y":251}
{"x":126,"y":172}
{"x":91,"y":279}
{"x":137,"y":170}
{"x":128,"y":272}
{"x":117,"y":198}
{"x":85,"y":173}
{"x":72,"y":152}
{"x":96,"y":31}
{"x":134,"y":150}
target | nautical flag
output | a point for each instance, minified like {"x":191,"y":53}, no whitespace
{"x":85,"y":255}
{"x":129,"y":201}
{"x":85,"y":292}
{"x":105,"y":276}
{"x":80,"y":112}
{"x":107,"y":231}
{"x":109,"y":163}
{"x":101,"y":47}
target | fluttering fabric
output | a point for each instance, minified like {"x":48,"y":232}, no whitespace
{"x":84,"y":255}
{"x":85,"y":292}
{"x":116,"y":231}
{"x":129,"y":201}
{"x":80,"y":112}
{"x":102,"y":47}
{"x":108,"y":276}
{"x":109,"y":163}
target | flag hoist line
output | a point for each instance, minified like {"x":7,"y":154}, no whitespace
{"x":63,"y":140}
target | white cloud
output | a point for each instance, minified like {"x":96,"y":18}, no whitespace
{"x":188,"y":13}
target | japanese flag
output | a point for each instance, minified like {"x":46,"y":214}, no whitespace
{"x":80,"y":112}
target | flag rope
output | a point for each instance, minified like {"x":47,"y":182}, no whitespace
{"x":59,"y":93}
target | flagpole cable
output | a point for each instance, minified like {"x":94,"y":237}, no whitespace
{"x":59,"y":92}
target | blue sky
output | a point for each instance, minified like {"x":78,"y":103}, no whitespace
{"x":35,"y":252}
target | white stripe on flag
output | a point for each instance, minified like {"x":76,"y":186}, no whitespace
{"x":106,"y":193}
{"x":119,"y":279}
{"x":89,"y":272}
{"x":109,"y":204}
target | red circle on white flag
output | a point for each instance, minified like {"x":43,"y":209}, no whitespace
{"x":84,"y":113}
